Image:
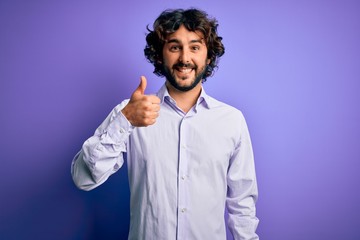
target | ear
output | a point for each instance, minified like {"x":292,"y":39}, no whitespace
{"x":208,"y":61}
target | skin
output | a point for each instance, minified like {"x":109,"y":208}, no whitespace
{"x":189,"y":48}
{"x":185,"y":58}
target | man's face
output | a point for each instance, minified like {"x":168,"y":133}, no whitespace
{"x":185,"y":59}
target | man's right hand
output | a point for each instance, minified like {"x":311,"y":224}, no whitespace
{"x":142,"y":110}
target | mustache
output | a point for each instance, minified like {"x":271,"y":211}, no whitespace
{"x":184,"y":65}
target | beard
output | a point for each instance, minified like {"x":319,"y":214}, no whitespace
{"x":170,"y":76}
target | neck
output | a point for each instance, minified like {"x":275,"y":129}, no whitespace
{"x":184,"y":100}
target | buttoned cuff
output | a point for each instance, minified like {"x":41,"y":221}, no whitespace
{"x":119,"y":129}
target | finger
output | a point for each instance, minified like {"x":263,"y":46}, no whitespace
{"x":151,"y":115}
{"x":151,"y":99}
{"x":155,"y":108}
{"x":140,"y":90}
{"x":154,"y":99}
{"x":143,"y":84}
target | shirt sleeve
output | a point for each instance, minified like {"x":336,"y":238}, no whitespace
{"x":102,"y":154}
{"x":242,"y":190}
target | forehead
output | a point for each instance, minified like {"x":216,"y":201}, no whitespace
{"x":182,"y":35}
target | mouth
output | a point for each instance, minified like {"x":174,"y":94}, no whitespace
{"x":184,"y":70}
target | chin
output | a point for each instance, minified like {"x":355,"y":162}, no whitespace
{"x":188,"y":83}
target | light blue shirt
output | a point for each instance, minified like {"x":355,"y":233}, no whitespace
{"x":183,"y":171}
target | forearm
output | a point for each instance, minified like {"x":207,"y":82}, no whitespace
{"x":94,"y":164}
{"x":242,"y":196}
{"x":102,"y":154}
{"x":81,"y":174}
{"x":242,"y":220}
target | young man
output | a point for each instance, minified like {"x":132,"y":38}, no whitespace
{"x":189,"y":156}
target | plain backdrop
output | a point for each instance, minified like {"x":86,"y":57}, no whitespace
{"x":292,"y":68}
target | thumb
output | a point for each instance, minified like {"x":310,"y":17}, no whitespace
{"x":142,"y":86}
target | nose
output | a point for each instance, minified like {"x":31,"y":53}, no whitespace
{"x":184,"y":56}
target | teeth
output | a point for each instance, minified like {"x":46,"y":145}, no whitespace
{"x":185,"y":70}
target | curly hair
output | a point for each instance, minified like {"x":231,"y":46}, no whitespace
{"x":193,"y":19}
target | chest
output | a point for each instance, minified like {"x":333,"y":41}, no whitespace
{"x":203,"y":141}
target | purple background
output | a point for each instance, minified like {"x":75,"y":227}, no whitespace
{"x":292,"y":67}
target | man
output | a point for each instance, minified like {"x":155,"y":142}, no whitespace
{"x":189,"y":156}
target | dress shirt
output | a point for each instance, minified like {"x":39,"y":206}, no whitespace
{"x":183,"y":171}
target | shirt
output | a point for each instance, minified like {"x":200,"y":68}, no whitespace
{"x":183,"y":170}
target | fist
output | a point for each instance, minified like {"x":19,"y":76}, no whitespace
{"x":142,"y":110}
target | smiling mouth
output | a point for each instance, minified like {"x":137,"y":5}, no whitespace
{"x":184,"y":70}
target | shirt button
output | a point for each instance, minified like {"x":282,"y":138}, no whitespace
{"x":121,"y":130}
{"x":183,"y":177}
{"x":183,"y":210}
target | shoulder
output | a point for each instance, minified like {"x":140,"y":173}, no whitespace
{"x":230,"y":118}
{"x":224,"y":109}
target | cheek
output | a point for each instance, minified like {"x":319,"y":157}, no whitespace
{"x":166,"y":63}
{"x":169,"y":61}
{"x":204,"y":58}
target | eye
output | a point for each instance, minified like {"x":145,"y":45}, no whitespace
{"x":195,"y":48}
{"x":174,"y":48}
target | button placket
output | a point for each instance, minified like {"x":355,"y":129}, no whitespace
{"x":182,"y":176}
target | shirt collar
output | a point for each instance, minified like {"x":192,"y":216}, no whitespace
{"x":204,"y":99}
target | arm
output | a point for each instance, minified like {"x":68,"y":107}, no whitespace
{"x":242,"y":190}
{"x":102,"y":154}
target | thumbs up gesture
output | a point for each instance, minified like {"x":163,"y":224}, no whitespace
{"x":142,"y":110}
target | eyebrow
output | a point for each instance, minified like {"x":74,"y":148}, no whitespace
{"x":174,"y":40}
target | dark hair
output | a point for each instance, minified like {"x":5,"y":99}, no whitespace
{"x":194,"y":20}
